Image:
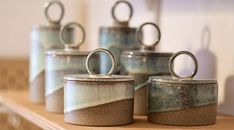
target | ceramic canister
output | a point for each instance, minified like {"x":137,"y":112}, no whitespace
{"x":142,"y":64}
{"x":61,"y":62}
{"x":44,"y":38}
{"x":182,"y":100}
{"x":116,"y":39}
{"x":99,"y":99}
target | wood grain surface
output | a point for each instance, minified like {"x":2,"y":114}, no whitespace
{"x":18,"y":102}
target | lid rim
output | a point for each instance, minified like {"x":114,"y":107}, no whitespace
{"x":168,"y":79}
{"x":98,"y":78}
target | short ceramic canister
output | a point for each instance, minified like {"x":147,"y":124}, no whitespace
{"x":98,"y":99}
{"x":117,"y":38}
{"x":61,"y":62}
{"x":182,"y":100}
{"x":142,"y":64}
{"x":44,"y":38}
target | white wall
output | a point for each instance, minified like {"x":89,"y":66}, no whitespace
{"x":205,"y":27}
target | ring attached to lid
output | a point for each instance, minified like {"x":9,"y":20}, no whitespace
{"x":113,"y":61}
{"x":65,"y":42}
{"x":171,"y":64}
{"x":130,"y":13}
{"x":46,"y":9}
{"x":140,"y":37}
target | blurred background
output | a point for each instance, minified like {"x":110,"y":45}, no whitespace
{"x":204,"y":27}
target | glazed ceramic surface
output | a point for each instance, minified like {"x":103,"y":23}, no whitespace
{"x":116,"y":39}
{"x":43,"y":38}
{"x":142,"y":64}
{"x":99,"y":100}
{"x":182,"y":100}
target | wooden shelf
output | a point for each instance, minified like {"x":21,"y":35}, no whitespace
{"x":18,"y":102}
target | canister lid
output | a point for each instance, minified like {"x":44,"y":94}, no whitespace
{"x":70,"y":48}
{"x":52,"y":24}
{"x":146,"y":50}
{"x":175,"y":78}
{"x":130,"y":53}
{"x":66,"y":52}
{"x":169,"y":79}
{"x":121,"y":23}
{"x":98,"y":77}
{"x":92,"y":76}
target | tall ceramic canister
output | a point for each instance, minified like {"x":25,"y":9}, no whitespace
{"x":142,"y":64}
{"x":183,"y":100}
{"x":43,"y":38}
{"x":117,"y":38}
{"x":61,"y":62}
{"x":99,"y":99}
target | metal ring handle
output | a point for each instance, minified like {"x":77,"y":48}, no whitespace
{"x":113,"y":61}
{"x":62,"y":35}
{"x":139,"y":34}
{"x":130,"y":14}
{"x":171,"y":64}
{"x":46,"y":8}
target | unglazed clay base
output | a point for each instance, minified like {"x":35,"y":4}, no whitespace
{"x":37,"y":89}
{"x":140,"y":102}
{"x":111,"y":114}
{"x":203,"y":115}
{"x":55,"y":102}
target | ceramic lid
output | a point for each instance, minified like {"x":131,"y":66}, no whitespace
{"x":146,"y":50}
{"x":175,"y":78}
{"x":146,"y":53}
{"x":70,"y":48}
{"x":92,"y":76}
{"x":52,"y":24}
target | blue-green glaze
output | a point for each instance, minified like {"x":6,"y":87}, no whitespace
{"x":171,"y":96}
{"x":116,"y":39}
{"x":142,"y":65}
{"x":59,"y":65}
{"x":43,"y":38}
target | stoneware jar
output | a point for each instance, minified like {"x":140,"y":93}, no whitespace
{"x":61,"y":62}
{"x":142,"y":64}
{"x":99,"y":99}
{"x":117,"y":38}
{"x":44,"y":38}
{"x":182,"y":100}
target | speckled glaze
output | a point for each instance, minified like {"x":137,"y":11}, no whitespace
{"x":173,"y":95}
{"x":43,"y":38}
{"x":143,"y":65}
{"x":116,"y":39}
{"x":57,"y":66}
{"x":182,"y":100}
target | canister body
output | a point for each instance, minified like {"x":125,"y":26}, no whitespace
{"x":142,"y":67}
{"x":99,"y":103}
{"x":116,"y":39}
{"x":57,"y":66}
{"x":179,"y":103}
{"x":43,"y":38}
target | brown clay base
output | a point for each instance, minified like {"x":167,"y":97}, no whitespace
{"x":37,"y":89}
{"x":140,"y":102}
{"x":111,"y":114}
{"x":55,"y":101}
{"x":204,"y":115}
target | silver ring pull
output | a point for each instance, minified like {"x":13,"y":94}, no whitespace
{"x":140,"y":37}
{"x":130,"y":13}
{"x":63,"y":39}
{"x":113,"y":61}
{"x":46,"y":8}
{"x":171,"y":64}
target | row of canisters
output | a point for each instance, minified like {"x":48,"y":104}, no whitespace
{"x":133,"y":79}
